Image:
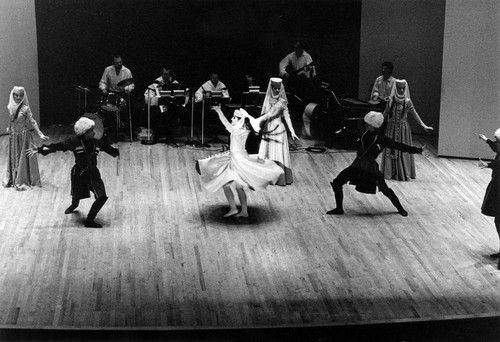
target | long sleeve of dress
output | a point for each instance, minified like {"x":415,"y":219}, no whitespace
{"x":286,"y":116}
{"x":224,"y":121}
{"x":411,"y":109}
{"x":29,"y":116}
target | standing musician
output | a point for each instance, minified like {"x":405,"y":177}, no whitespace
{"x":85,"y":176}
{"x":297,"y":71}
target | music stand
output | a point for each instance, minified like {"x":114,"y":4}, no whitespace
{"x":149,"y":141}
{"x":80,"y":89}
{"x":215,"y":98}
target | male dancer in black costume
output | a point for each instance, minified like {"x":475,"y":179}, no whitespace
{"x":364,"y":172}
{"x":85,"y":176}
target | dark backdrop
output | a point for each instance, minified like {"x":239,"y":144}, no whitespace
{"x":77,"y":39}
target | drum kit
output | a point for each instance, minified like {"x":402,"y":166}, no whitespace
{"x":108,"y":108}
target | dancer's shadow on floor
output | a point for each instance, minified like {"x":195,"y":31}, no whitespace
{"x":214,"y":215}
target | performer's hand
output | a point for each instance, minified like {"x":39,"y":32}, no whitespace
{"x":44,"y":137}
{"x":482,"y":164}
{"x":483,"y":137}
{"x":427,"y":128}
{"x":294,"y":136}
{"x":30,"y":152}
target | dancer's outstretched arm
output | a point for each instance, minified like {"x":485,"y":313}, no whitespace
{"x":222,"y":118}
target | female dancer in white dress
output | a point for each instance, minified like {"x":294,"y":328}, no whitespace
{"x":22,"y":171}
{"x":274,"y":144}
{"x":236,"y":166}
{"x":397,"y":164}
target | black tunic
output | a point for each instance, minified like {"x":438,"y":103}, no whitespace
{"x":364,"y":172}
{"x":85,"y":176}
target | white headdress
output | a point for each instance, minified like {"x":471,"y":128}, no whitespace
{"x":83,"y":125}
{"x":497,"y":134}
{"x":375,"y":119}
{"x":13,"y":106}
{"x":270,"y":100}
{"x":394,"y":92}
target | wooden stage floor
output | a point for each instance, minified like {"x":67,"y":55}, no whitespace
{"x":166,"y":259}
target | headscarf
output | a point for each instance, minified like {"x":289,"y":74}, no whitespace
{"x":270,"y":100}
{"x":14,"y":107}
{"x":242,"y":114}
{"x":394,"y":92}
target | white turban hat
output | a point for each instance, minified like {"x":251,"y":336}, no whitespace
{"x":83,"y":125}
{"x":497,"y":134}
{"x":375,"y":119}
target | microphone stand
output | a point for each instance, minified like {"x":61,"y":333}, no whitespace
{"x":203,"y":124}
{"x":130,"y":117}
{"x":192,"y":142}
{"x":149,"y":141}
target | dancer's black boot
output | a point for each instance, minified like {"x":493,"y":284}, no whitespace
{"x":339,"y":199}
{"x":96,"y":206}
{"x":394,"y":199}
{"x":72,"y":207}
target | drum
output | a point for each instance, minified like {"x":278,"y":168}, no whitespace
{"x":110,"y":101}
{"x":99,"y":126}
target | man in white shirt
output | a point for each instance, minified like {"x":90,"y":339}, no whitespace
{"x":112,"y":100}
{"x":113,"y":75}
{"x":210,"y":86}
{"x":383,"y":85}
{"x":297,"y":63}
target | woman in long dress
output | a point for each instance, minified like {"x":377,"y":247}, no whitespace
{"x":236,"y":166}
{"x":398,"y":164}
{"x":22,"y":171}
{"x":491,"y":203}
{"x":274,"y":144}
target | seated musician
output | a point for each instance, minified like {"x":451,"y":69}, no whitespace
{"x":383,"y":85}
{"x":113,"y":75}
{"x":297,"y":72}
{"x":165,"y":111}
{"x":210,"y":86}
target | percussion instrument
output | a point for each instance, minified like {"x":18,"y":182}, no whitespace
{"x":98,"y":127}
{"x":111,"y":101}
{"x":310,"y":113}
{"x":125,"y":83}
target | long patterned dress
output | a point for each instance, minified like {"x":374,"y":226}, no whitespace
{"x":236,"y":165}
{"x":397,"y":164}
{"x":274,"y":145}
{"x":22,"y":171}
